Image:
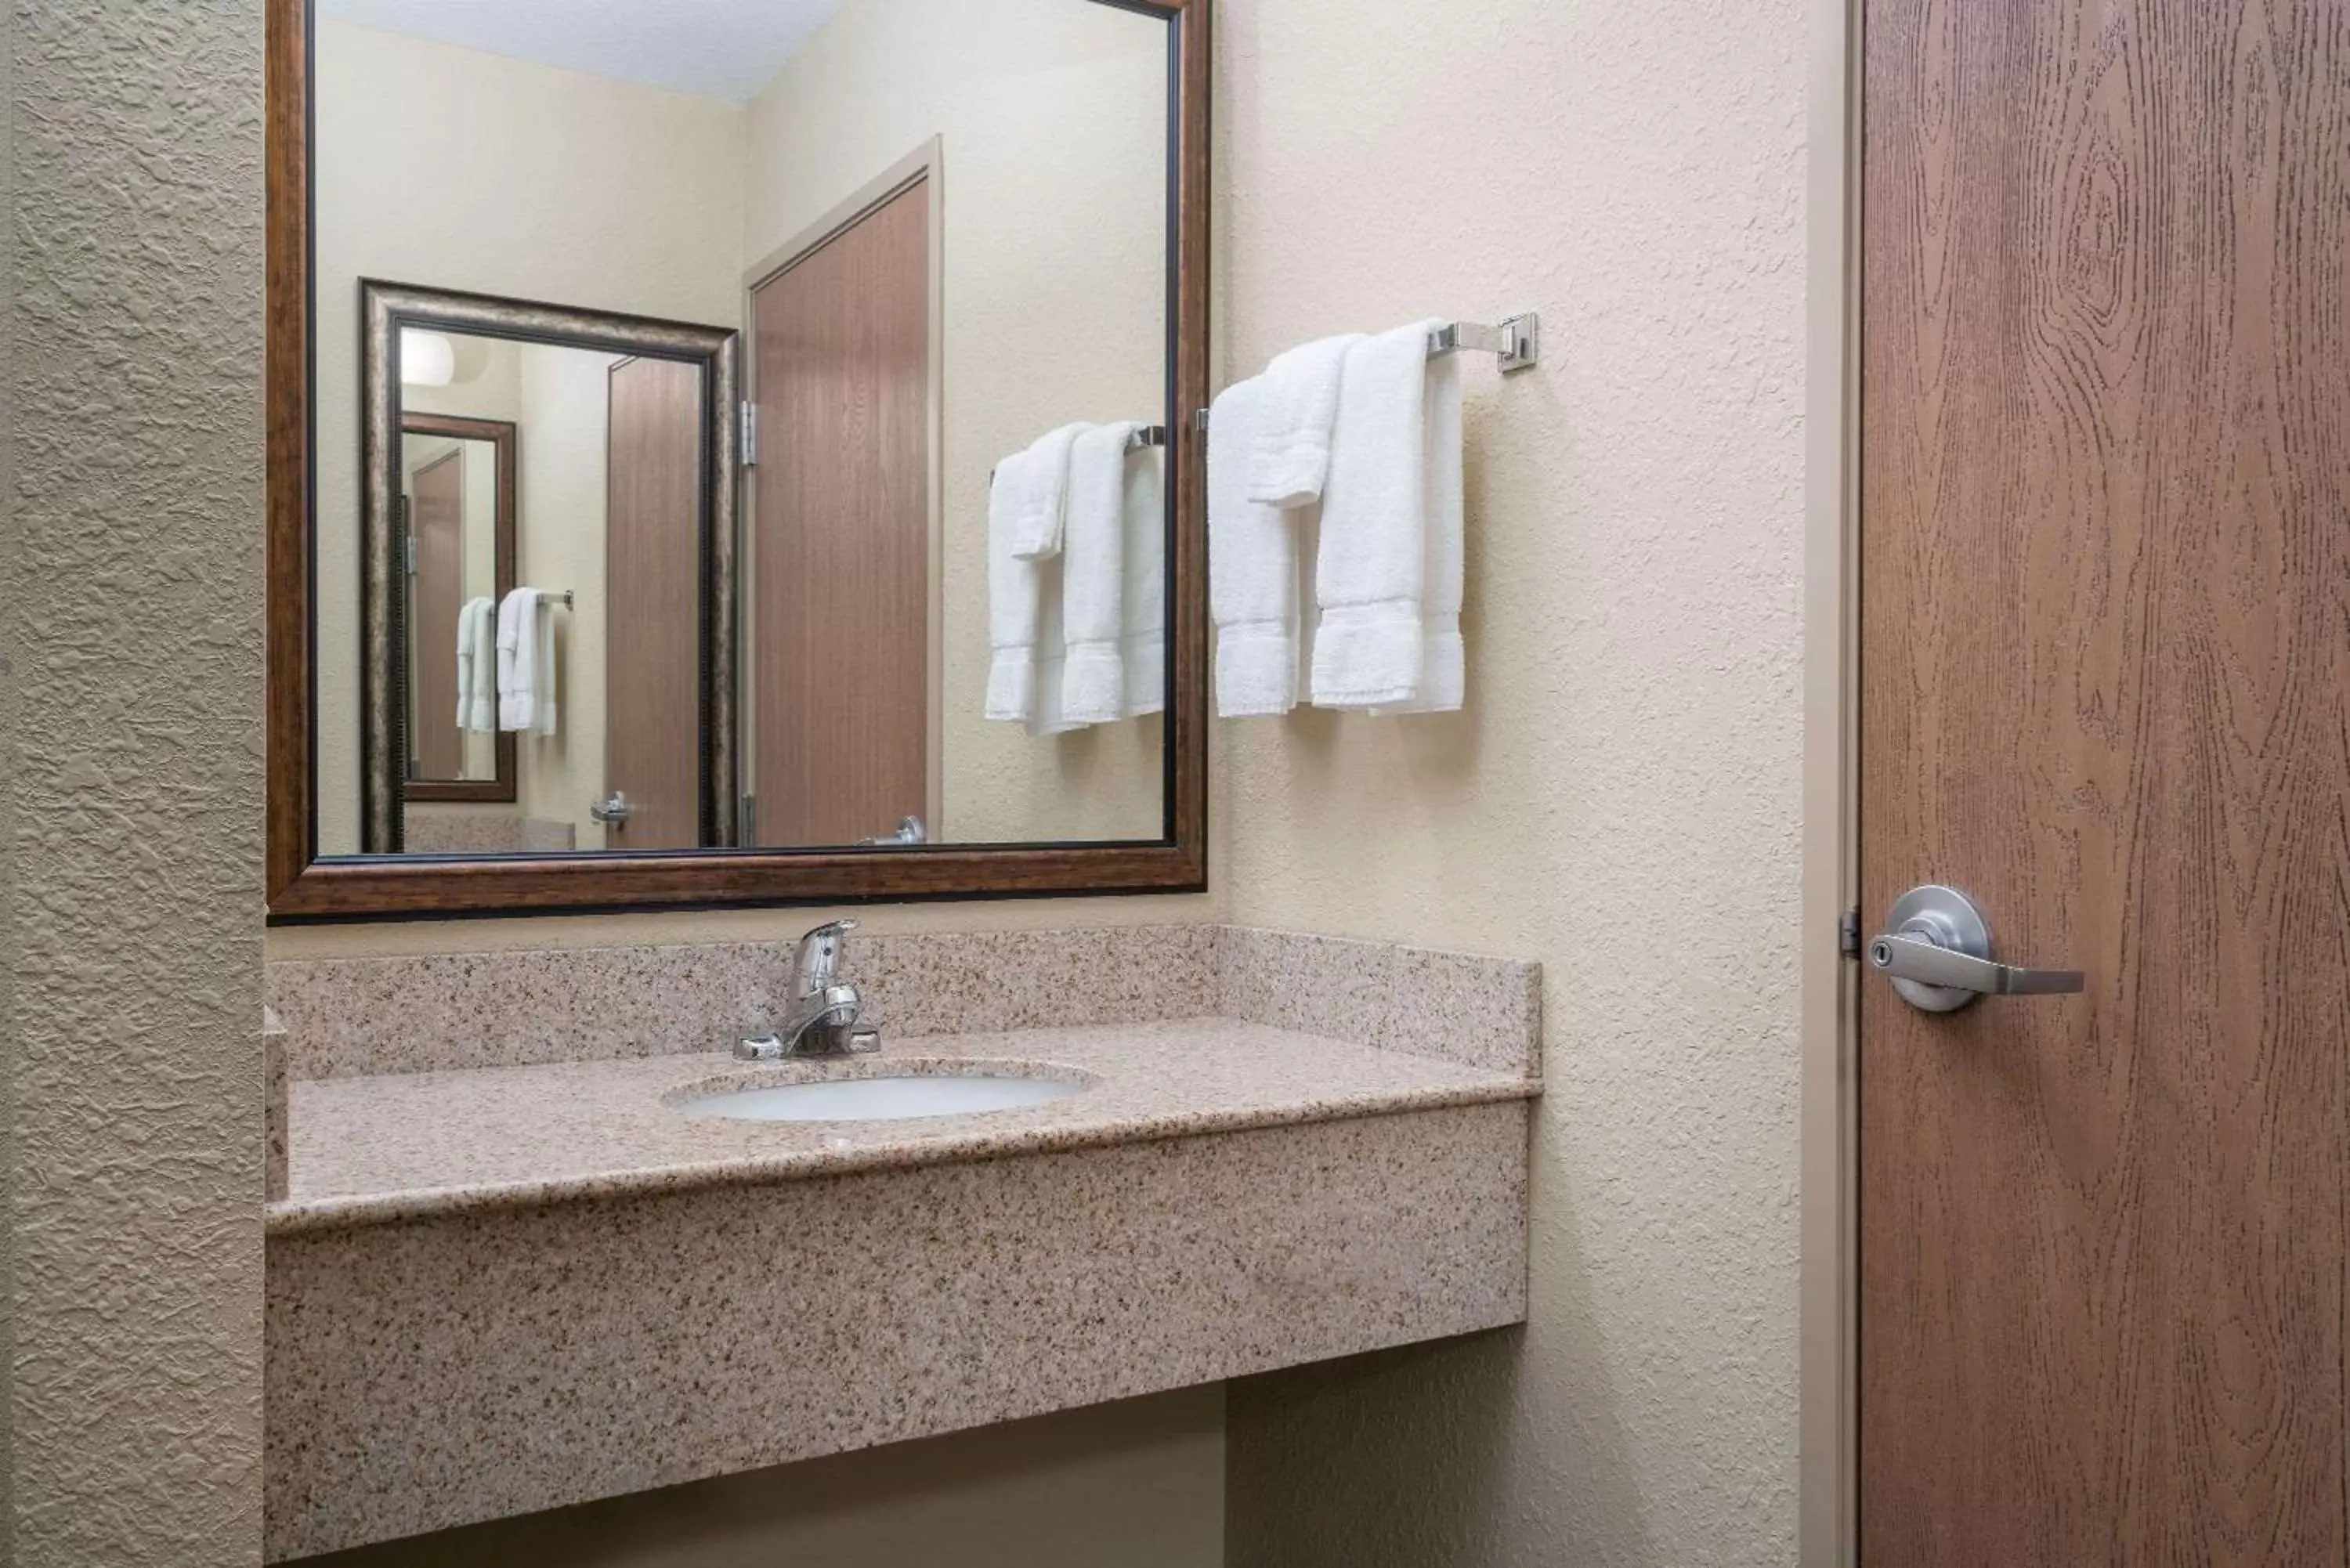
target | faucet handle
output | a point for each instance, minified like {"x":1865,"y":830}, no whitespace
{"x":817,"y":959}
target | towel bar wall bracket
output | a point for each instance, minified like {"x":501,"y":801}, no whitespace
{"x":1140,"y":439}
{"x":1515,"y":339}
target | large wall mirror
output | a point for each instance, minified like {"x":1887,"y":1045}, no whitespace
{"x":728,"y":454}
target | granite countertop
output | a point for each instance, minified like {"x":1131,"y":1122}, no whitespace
{"x":373,"y":1151}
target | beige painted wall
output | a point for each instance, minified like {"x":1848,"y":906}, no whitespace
{"x":456,"y":169}
{"x":566,"y":401}
{"x":1137,"y":1484}
{"x":1621,"y":800}
{"x":130,"y":608}
{"x":1051,"y":116}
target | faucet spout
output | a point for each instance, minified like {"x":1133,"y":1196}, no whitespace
{"x":824,"y":1009}
{"x":815,"y":962}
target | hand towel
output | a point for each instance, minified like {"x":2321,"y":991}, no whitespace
{"x":1041,"y":503}
{"x":1049,"y":716}
{"x":1371,"y":571}
{"x":1142,"y":652}
{"x":1252,"y":570}
{"x":525,"y":663}
{"x":542,"y":680}
{"x":1014,"y":593}
{"x":477,"y":666}
{"x":1289,"y":456}
{"x":465,"y":614}
{"x":1444,"y":665}
{"x":1093,"y":576}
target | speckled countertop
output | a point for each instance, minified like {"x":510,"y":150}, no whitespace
{"x":370,"y":1150}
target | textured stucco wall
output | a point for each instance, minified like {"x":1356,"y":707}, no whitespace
{"x":1622,"y":798}
{"x":131,"y":614}
{"x":9,"y":714}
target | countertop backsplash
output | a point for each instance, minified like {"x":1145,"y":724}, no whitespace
{"x":360,"y":1017}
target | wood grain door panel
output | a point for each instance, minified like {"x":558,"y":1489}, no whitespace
{"x":436,"y":594}
{"x":2105,"y":689}
{"x":652,"y":618}
{"x":840,"y":668}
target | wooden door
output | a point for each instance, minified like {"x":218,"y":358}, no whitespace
{"x":840,"y":509}
{"x":436,"y":514}
{"x":2105,"y":690}
{"x":652,"y":604}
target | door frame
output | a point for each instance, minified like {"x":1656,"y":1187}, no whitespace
{"x":1829,"y":1138}
{"x":925,"y":163}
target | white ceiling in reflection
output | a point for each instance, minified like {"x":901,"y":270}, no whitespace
{"x":714,"y":49}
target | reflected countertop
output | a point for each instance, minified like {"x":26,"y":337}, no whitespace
{"x":374,"y":1150}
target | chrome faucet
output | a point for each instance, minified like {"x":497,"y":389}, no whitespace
{"x":824,"y":1009}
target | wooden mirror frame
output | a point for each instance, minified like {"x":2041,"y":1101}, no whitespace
{"x":304,"y":887}
{"x":498,"y":435}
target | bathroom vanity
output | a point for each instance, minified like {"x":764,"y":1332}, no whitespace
{"x":635,"y":542}
{"x":506,"y":1278}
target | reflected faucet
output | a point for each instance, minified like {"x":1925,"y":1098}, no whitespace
{"x":824,"y":1009}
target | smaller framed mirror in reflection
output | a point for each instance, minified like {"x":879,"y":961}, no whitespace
{"x":457,"y":512}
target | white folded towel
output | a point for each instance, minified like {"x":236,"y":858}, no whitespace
{"x":1041,"y":503}
{"x":1142,"y":651}
{"x":1371,"y":573}
{"x":477,"y":666}
{"x":1443,"y":668}
{"x":1050,"y":715}
{"x":1093,"y":576}
{"x":1252,"y":570}
{"x":1289,"y":457}
{"x":525,"y":663}
{"x":1014,"y":585}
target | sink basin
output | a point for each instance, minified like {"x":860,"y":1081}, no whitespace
{"x":884,"y":1094}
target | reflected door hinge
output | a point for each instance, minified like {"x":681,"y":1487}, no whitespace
{"x":750,"y":433}
{"x":746,"y":812}
{"x":411,"y":554}
{"x":1848,"y":933}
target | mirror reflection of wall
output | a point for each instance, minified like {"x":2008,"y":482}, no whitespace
{"x":781,"y":172}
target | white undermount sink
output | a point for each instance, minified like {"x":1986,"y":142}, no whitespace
{"x":879,"y":1097}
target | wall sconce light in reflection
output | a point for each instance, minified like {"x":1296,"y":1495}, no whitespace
{"x":426,"y":358}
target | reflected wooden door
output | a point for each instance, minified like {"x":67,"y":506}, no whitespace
{"x":652,"y":604}
{"x":2105,"y":690}
{"x":840,"y":661}
{"x":437,"y":593}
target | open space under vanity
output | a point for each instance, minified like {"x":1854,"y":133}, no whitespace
{"x":518,"y":1264}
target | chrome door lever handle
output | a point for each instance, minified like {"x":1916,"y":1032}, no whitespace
{"x":614,"y":810}
{"x":1937,"y":955}
{"x":1907,"y":956}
